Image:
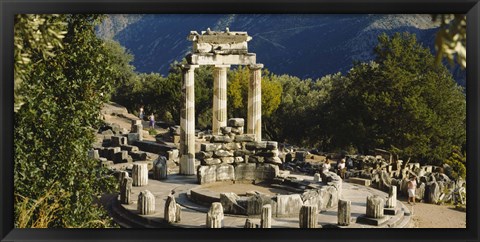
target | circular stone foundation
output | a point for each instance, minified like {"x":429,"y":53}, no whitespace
{"x":243,"y":189}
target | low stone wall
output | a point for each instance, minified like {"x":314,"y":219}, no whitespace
{"x":324,"y":195}
{"x":235,"y":156}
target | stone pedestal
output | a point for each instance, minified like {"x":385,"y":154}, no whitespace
{"x":187,"y":121}
{"x":266,"y":216}
{"x":219,"y":117}
{"x":137,"y":128}
{"x":160,"y":168}
{"x":126,"y":190}
{"x":375,"y":213}
{"x":146,"y":203}
{"x":344,"y":214}
{"x":140,"y":174}
{"x":308,"y":216}
{"x":254,"y":115}
{"x":375,"y":206}
{"x":215,"y":216}
{"x":172,"y":210}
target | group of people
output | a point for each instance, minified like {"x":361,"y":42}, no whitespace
{"x":151,"y":118}
{"x":341,"y":166}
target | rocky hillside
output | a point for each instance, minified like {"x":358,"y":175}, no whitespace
{"x":308,"y":46}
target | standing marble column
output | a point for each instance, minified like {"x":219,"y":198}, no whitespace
{"x":254,"y":115}
{"x":215,"y":215}
{"x":375,"y":206}
{"x":266,"y":216}
{"x":308,"y":216}
{"x":344,"y":212}
{"x":126,"y":190}
{"x":392,"y":197}
{"x":146,"y":203}
{"x":140,"y":174}
{"x":187,"y":121}
{"x":219,"y":117}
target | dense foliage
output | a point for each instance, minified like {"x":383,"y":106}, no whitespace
{"x":458,"y":164}
{"x":56,"y":184}
{"x":402,"y":102}
{"x":34,"y":34}
{"x":451,"y":38}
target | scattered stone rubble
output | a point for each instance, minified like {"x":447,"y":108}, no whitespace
{"x":120,"y":149}
{"x":433,"y":185}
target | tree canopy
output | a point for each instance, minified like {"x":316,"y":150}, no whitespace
{"x":402,"y":102}
{"x":56,"y":183}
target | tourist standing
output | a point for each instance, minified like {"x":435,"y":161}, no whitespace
{"x":152,"y":121}
{"x":341,"y":168}
{"x":349,"y":163}
{"x":326,"y":165}
{"x":142,"y":113}
{"x":412,"y":185}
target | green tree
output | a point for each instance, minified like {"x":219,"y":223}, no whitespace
{"x":124,"y":76}
{"x":402,"y":101}
{"x":160,"y":96}
{"x":34,"y":35}
{"x":237,"y":93}
{"x":451,"y":38}
{"x":55,"y":127}
{"x":295,"y":118}
{"x":457,"y":161}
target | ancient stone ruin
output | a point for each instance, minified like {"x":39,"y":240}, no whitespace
{"x":186,"y":183}
{"x":220,"y":49}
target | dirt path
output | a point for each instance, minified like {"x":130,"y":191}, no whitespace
{"x":114,"y":113}
{"x":436,"y":216}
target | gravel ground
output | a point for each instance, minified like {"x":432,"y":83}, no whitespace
{"x":436,"y":216}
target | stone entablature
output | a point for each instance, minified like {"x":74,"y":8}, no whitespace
{"x":219,"y":42}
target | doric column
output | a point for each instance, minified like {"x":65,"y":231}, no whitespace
{"x":215,"y":215}
{"x":126,"y":190}
{"x":219,"y":118}
{"x":375,"y":206}
{"x":140,"y":174}
{"x":266,"y":216}
{"x":392,"y":197}
{"x":187,"y":121}
{"x":308,"y":216}
{"x":344,"y":212}
{"x":146,"y":203}
{"x":254,"y":116}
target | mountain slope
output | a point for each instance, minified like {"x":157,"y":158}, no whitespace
{"x":304,"y":45}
